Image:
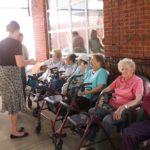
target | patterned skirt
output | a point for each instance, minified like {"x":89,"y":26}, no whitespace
{"x":11,"y":89}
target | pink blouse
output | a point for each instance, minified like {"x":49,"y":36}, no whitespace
{"x":125,"y":91}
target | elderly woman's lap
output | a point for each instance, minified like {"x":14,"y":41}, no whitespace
{"x":106,"y":118}
{"x":100,"y":112}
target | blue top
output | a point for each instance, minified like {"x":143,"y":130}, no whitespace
{"x":96,"y":78}
{"x":78,"y":71}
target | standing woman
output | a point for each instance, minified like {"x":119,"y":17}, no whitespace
{"x":11,"y":60}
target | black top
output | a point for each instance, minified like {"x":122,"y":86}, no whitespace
{"x":8,"y":49}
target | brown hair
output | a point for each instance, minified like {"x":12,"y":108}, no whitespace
{"x":100,"y":58}
{"x":13,"y":26}
{"x":72,"y":57}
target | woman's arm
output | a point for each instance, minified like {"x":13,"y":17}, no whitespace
{"x":21,"y":62}
{"x":106,"y":90}
{"x":94,"y":90}
{"x":135,"y":102}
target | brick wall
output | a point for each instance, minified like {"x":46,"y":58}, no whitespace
{"x":127,"y":28}
{"x":39,"y":28}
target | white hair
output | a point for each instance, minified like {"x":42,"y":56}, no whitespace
{"x":127,"y":61}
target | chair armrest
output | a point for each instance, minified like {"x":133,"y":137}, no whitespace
{"x":83,"y":86}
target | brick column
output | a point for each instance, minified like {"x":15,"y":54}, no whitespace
{"x":40,"y":30}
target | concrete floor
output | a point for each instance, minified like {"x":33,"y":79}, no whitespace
{"x":34,"y":141}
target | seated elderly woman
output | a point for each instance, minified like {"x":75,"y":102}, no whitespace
{"x":128,"y":91}
{"x":70,"y":65}
{"x":55,"y":61}
{"x":98,"y":77}
{"x":84,"y":66}
{"x":82,"y":69}
{"x":69,"y":68}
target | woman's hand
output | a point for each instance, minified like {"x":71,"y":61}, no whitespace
{"x":118,"y":112}
{"x":101,"y":102}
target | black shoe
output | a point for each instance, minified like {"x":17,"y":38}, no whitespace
{"x":16,"y":136}
{"x":21,"y":129}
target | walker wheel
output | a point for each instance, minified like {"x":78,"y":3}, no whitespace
{"x":29,"y":103}
{"x":38,"y":128}
{"x":36,"y":112}
{"x":59,"y":145}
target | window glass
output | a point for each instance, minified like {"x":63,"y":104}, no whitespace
{"x":63,"y":14}
{"x":78,"y":14}
{"x":95,"y":12}
{"x":54,"y":40}
{"x":65,"y":42}
{"x":53,"y":19}
{"x":64,"y":39}
{"x":52,"y":4}
{"x":63,"y":19}
{"x":14,"y":4}
{"x":62,"y":4}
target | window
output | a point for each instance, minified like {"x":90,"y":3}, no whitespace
{"x":66,"y":16}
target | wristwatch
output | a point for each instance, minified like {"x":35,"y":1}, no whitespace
{"x":126,"y":106}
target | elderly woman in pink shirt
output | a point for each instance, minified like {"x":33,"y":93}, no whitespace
{"x":128,"y":91}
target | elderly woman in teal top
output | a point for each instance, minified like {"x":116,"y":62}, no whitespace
{"x":98,"y":77}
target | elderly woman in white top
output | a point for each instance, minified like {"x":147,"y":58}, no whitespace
{"x":55,"y":61}
{"x":70,"y":66}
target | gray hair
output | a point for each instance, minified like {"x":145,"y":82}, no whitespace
{"x":127,"y":61}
